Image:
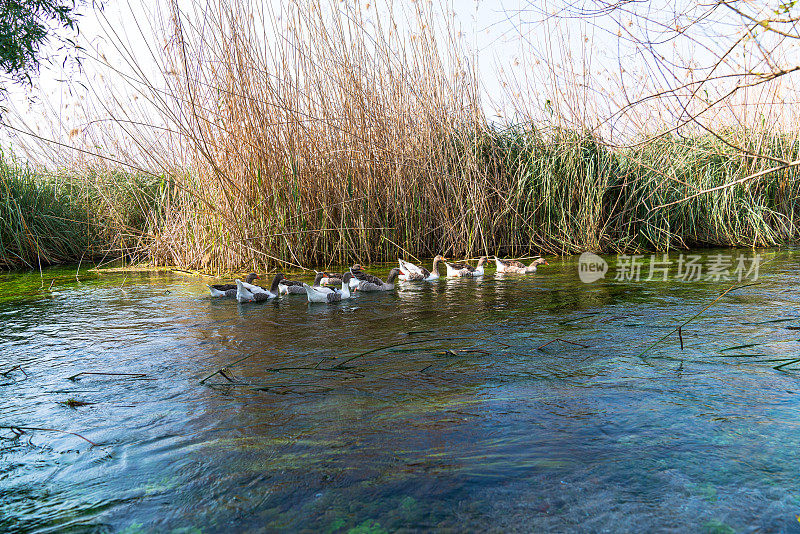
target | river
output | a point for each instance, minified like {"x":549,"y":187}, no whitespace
{"x":507,"y":403}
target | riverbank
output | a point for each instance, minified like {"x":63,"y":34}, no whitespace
{"x":510,"y":192}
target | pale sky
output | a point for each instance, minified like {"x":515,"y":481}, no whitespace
{"x":532,"y":57}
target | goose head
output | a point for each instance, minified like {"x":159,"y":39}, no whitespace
{"x":539,"y":261}
{"x":318,"y":278}
{"x":436,"y":261}
{"x":251,"y":277}
{"x":482,"y":261}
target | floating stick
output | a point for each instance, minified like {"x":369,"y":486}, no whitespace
{"x":348,"y":360}
{"x":781,"y":366}
{"x":747,"y":345}
{"x":19,"y":430}
{"x":693,"y":317}
{"x":785,"y":319}
{"x":6,"y":373}
{"x":225,"y":367}
{"x":563,"y":341}
{"x":130,"y":375}
{"x":243,"y":358}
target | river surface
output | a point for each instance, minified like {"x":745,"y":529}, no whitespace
{"x":444,"y":405}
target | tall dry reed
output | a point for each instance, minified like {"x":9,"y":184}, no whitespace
{"x":329,"y":132}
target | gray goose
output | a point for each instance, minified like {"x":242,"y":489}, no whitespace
{"x":360,"y":276}
{"x":291,"y":287}
{"x":330,"y":279}
{"x":517,"y":267}
{"x":380,"y":285}
{"x":465,"y":270}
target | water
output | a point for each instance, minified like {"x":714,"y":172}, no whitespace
{"x":455,"y":421}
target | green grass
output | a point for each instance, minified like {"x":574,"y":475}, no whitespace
{"x":66,"y":217}
{"x":569,"y":193}
{"x":42,"y":219}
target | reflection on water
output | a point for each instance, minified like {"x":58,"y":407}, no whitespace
{"x":439,"y":405}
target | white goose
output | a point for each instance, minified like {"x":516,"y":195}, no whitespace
{"x":249,"y":293}
{"x":411,"y":273}
{"x":229,"y":290}
{"x":320,"y":294}
{"x":465,"y":270}
{"x":319,"y":286}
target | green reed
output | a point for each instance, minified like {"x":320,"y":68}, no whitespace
{"x":511,"y":191}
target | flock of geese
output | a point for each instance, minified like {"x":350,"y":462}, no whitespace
{"x":325,"y":288}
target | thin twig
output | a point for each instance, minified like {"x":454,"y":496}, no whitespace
{"x":401,"y":248}
{"x":21,"y":430}
{"x":129,"y":375}
{"x":348,"y":360}
{"x":693,"y":317}
{"x":6,"y":373}
{"x":229,"y":365}
{"x":562,"y":341}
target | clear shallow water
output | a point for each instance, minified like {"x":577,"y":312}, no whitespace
{"x":455,"y":420}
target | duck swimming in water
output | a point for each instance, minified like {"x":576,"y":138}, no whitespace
{"x":229,"y":290}
{"x":411,"y":273}
{"x":246,"y":292}
{"x":379,"y":285}
{"x":465,"y":270}
{"x":517,"y":267}
{"x":320,"y":294}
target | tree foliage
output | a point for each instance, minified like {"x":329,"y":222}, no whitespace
{"x":25,"y":27}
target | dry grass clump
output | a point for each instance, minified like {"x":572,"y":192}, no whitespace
{"x":315,"y":145}
{"x":328,"y":134}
